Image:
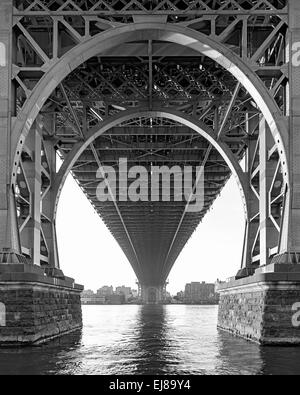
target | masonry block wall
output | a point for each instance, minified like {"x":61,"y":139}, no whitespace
{"x":264,"y":312}
{"x":36,"y":312}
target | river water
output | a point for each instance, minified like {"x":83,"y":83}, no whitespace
{"x":173,"y":339}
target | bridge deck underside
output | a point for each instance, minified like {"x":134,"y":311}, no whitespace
{"x":152,"y":75}
{"x":158,"y":230}
{"x":152,"y":234}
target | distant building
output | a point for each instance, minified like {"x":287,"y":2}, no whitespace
{"x":100,"y":299}
{"x":179,"y":297}
{"x":115,"y":299}
{"x":105,"y":291}
{"x":107,"y":295}
{"x":90,"y":298}
{"x":168,"y":298}
{"x":87,"y":293}
{"x":126,"y":291}
{"x":197,"y":292}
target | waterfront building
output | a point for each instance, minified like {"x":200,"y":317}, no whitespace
{"x":105,"y":291}
{"x":126,"y":291}
{"x":90,"y":298}
{"x":115,"y":299}
{"x":197,"y":292}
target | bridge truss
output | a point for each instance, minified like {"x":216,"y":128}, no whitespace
{"x":170,"y":89}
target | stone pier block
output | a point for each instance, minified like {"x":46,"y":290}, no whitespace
{"x":264,"y":308}
{"x":35,"y":308}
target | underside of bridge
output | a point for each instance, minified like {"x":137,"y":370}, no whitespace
{"x":152,"y":75}
{"x":151,"y":233}
{"x":170,"y":84}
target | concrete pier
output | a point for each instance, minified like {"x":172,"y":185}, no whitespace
{"x":153,"y":294}
{"x":34,"y":307}
{"x":265,"y":307}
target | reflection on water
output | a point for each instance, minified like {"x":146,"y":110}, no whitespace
{"x":150,"y":340}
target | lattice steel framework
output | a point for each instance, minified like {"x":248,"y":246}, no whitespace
{"x":140,"y":79}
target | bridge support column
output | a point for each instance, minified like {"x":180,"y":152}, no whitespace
{"x":10,"y":250}
{"x":150,"y":294}
{"x":38,"y":171}
{"x":265,"y":306}
{"x":35,"y":307}
{"x":290,"y":234}
{"x":250,"y":247}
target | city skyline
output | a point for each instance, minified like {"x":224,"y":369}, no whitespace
{"x":195,"y":292}
{"x":115,"y":288}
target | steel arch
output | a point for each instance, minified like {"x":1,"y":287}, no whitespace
{"x":155,"y":31}
{"x":177,"y":116}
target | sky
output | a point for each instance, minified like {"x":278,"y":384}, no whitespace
{"x":89,"y":253}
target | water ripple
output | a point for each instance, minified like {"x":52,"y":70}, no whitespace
{"x":150,"y":340}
